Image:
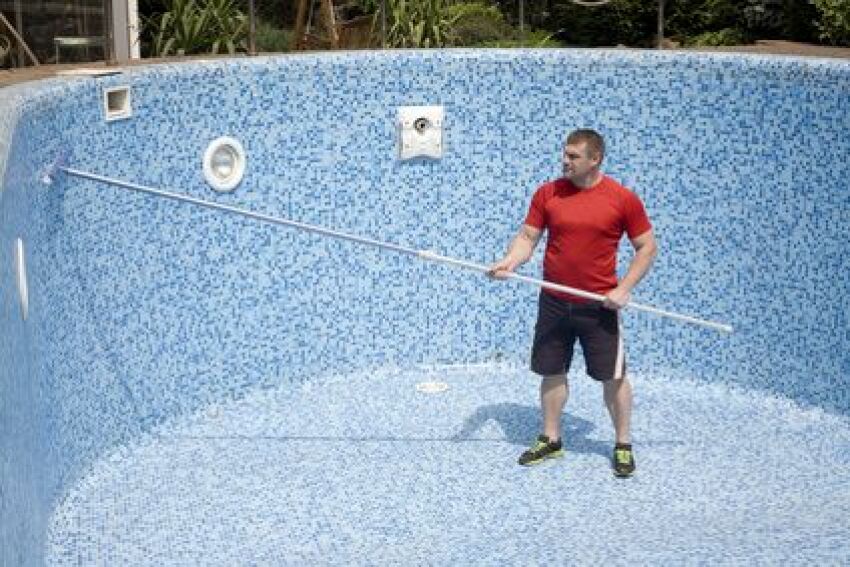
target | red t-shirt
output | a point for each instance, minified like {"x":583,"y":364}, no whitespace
{"x":585,"y":227}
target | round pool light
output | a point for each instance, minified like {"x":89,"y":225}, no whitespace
{"x":224,"y":163}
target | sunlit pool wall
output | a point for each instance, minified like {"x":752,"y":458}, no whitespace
{"x":143,"y":309}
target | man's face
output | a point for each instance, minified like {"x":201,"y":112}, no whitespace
{"x":577,"y":163}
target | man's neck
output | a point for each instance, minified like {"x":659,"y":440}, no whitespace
{"x":589,"y":180}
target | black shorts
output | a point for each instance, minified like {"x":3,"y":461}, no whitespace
{"x":560,"y":323}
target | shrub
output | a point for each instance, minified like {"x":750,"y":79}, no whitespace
{"x":687,"y":18}
{"x":534,"y":39}
{"x":476,"y":23}
{"x":629,"y":22}
{"x":726,"y":36}
{"x":834,"y":21}
{"x":634,"y":22}
{"x":719,"y":22}
{"x":198,"y":26}
{"x":271,"y":39}
{"x":417,"y":23}
{"x":799,"y":21}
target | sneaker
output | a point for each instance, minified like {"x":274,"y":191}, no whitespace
{"x":541,"y":450}
{"x":624,"y":461}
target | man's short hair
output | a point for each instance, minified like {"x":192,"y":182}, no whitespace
{"x":595,"y":142}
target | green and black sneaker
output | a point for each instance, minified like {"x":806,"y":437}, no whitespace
{"x":541,"y":450}
{"x":624,"y":460}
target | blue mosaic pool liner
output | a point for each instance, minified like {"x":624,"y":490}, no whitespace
{"x":143,"y":309}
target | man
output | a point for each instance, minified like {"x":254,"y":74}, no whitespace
{"x":586,"y":213}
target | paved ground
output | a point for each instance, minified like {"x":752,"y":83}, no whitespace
{"x":775,"y":47}
{"x":780,"y":47}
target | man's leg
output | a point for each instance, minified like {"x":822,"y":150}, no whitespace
{"x":618,"y":398}
{"x":602,"y":343}
{"x":554,"y":393}
{"x":550,"y":356}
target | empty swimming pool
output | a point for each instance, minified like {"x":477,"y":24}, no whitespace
{"x":185,"y":386}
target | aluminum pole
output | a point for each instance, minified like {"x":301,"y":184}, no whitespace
{"x":422,"y":254}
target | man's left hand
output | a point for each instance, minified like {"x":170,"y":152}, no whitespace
{"x":617,"y":298}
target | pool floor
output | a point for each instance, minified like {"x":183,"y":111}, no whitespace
{"x":364,"y":469}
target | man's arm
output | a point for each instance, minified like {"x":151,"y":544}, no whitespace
{"x":519,"y":252}
{"x":645,"y":252}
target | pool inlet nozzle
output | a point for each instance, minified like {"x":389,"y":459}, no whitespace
{"x":49,"y":172}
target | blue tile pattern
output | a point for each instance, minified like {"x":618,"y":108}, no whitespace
{"x":361,"y":469}
{"x":143,"y":311}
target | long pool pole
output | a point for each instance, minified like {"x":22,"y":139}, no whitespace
{"x":423,"y":254}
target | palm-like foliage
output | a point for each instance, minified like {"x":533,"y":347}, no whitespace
{"x":198,"y":26}
{"x":417,"y":23}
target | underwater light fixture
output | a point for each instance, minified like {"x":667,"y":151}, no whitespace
{"x":224,"y":163}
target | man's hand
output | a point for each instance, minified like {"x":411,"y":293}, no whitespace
{"x":617,"y":298}
{"x":502,"y":269}
{"x":518,"y":252}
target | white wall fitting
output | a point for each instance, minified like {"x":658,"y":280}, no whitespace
{"x":117,"y":103}
{"x":420,"y":131}
{"x":224,"y":163}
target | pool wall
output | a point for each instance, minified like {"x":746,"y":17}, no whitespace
{"x":142,"y":309}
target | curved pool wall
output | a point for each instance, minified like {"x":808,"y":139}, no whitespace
{"x":142,"y":309}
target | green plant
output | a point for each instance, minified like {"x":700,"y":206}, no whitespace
{"x":271,"y":39}
{"x":535,"y":39}
{"x":417,"y":23}
{"x":834,"y":21}
{"x":629,"y":22}
{"x":476,"y":23}
{"x":799,"y":20}
{"x":229,"y":24}
{"x":688,"y":18}
{"x":197,"y":26}
{"x":726,"y":36}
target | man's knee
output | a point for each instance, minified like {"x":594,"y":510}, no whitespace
{"x":613,"y":387}
{"x":555,"y":379}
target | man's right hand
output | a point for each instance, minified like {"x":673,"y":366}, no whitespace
{"x":518,"y":252}
{"x":502,"y":269}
